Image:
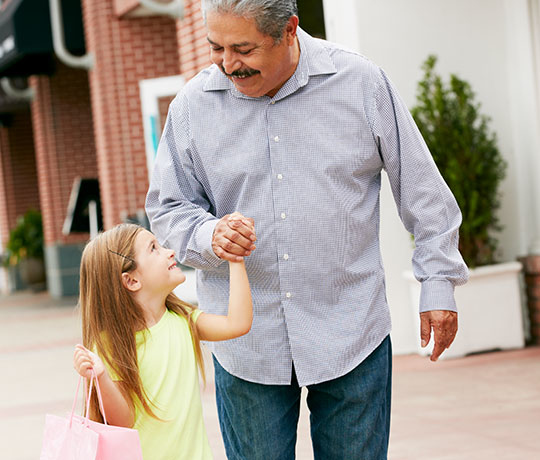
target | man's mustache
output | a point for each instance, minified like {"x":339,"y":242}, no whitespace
{"x":241,"y":73}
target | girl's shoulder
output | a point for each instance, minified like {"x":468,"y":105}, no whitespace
{"x":194,"y":313}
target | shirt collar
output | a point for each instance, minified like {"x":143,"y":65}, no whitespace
{"x":314,"y":56}
{"x":314,"y":60}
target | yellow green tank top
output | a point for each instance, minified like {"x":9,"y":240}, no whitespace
{"x":170,"y":377}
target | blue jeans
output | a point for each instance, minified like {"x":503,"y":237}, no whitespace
{"x":349,"y":416}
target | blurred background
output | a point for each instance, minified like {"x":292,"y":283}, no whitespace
{"x":84,"y":91}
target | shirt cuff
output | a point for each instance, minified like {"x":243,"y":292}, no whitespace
{"x":437,"y":295}
{"x":203,"y":240}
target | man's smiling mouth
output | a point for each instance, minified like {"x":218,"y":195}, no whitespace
{"x":240,"y":74}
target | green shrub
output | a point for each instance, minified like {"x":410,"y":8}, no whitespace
{"x":25,"y":239}
{"x":467,"y":156}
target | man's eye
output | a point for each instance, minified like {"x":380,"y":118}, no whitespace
{"x":244,"y":52}
{"x":216,"y":48}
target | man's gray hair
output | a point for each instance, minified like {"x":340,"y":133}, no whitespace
{"x":271,"y":16}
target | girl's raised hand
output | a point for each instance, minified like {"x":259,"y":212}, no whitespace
{"x":84,"y":361}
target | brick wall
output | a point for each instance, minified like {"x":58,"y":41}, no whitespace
{"x":124,"y":6}
{"x":193,"y":47}
{"x":18,"y":178}
{"x":6,"y":184}
{"x":126,"y":50}
{"x":64,"y":144}
{"x":24,"y":175}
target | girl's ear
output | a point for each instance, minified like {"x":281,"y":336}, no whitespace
{"x":130,"y":282}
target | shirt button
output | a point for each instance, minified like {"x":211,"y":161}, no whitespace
{"x":286,"y":256}
{"x":276,"y":138}
{"x":288,"y":295}
{"x":280,"y":176}
{"x":283,"y":215}
{"x":273,"y":102}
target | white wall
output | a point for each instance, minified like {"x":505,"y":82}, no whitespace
{"x":486,"y":42}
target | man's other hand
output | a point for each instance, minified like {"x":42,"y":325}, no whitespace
{"x":444,"y":324}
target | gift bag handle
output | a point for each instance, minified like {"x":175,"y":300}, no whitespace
{"x":75,"y":404}
{"x":98,"y":391}
{"x":87,"y":412}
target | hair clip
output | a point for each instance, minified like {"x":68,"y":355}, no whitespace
{"x":121,"y":255}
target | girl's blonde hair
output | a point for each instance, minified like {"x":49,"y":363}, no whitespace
{"x":110,"y":315}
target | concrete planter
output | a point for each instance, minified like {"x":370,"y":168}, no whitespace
{"x":33,"y":273}
{"x":32,"y":270}
{"x":489,"y":308}
{"x":27,"y":274}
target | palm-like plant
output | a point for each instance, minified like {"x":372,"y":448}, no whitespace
{"x":467,"y":156}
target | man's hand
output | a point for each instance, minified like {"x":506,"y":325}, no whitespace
{"x":445,"y":326}
{"x":233,"y":237}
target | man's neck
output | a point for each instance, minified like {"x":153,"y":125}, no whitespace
{"x":295,"y":59}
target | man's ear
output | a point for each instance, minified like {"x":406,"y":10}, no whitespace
{"x":290,"y":30}
{"x":130,"y":282}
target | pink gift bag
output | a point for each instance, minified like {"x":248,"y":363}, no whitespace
{"x":78,"y":438}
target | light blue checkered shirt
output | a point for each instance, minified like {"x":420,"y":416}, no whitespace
{"x":306,"y":166}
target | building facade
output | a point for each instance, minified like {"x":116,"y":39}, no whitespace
{"x":87,"y":96}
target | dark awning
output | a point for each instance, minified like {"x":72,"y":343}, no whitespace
{"x":26,"y":46}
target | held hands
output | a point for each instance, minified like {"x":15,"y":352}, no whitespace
{"x":233,"y":237}
{"x":445,"y":326}
{"x":84,"y":361}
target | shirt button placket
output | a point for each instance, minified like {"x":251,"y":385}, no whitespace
{"x":282,"y":215}
{"x":285,"y":256}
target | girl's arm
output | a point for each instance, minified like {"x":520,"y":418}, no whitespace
{"x":119,"y":412}
{"x":240,"y":315}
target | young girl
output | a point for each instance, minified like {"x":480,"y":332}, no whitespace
{"x":145,"y":341}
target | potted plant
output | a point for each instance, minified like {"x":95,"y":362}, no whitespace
{"x":24,"y":249}
{"x":466,"y":153}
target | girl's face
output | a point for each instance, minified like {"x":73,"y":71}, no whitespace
{"x":156,"y":266}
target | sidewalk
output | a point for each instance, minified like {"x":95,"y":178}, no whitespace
{"x":481,"y":407}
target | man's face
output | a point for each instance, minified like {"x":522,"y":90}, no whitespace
{"x":251,"y":60}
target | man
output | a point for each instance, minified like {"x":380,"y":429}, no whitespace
{"x":293,"y":132}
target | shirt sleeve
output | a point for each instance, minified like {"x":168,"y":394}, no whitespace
{"x":177,"y":204}
{"x":425,"y":204}
{"x":195,"y":314}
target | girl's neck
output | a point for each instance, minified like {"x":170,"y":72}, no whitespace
{"x":153,"y":307}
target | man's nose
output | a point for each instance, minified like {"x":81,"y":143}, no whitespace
{"x":230,"y":62}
